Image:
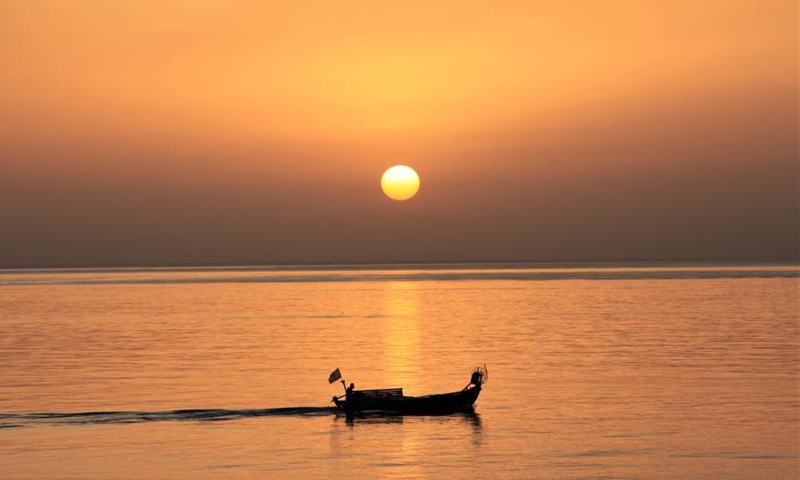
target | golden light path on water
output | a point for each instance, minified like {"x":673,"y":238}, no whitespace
{"x":402,"y":334}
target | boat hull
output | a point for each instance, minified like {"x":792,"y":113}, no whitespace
{"x":441,"y":404}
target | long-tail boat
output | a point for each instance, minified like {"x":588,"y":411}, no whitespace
{"x":392,"y":400}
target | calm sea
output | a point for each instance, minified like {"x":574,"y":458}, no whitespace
{"x":595,"y":371}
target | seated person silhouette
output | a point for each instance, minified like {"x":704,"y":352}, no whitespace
{"x":348,"y":392}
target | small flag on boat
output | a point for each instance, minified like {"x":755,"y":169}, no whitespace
{"x":335,"y":375}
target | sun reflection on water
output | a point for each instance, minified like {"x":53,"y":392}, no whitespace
{"x":402,"y":334}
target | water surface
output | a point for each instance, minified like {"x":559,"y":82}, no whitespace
{"x":599,"y":371}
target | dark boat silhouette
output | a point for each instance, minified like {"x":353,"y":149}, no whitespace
{"x":392,"y":400}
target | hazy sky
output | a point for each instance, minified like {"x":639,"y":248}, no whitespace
{"x":204,"y":131}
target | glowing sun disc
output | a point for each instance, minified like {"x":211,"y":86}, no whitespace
{"x":400,"y":182}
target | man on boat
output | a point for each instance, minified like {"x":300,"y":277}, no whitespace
{"x":348,"y":392}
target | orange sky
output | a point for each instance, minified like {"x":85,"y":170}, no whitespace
{"x":242,"y":131}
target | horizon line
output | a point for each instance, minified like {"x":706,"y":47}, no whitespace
{"x":397,"y":264}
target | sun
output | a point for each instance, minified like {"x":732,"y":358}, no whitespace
{"x":400,"y":182}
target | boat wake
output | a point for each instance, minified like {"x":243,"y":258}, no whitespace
{"x":205,"y":415}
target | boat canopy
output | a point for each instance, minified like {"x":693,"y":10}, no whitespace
{"x":382,"y":392}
